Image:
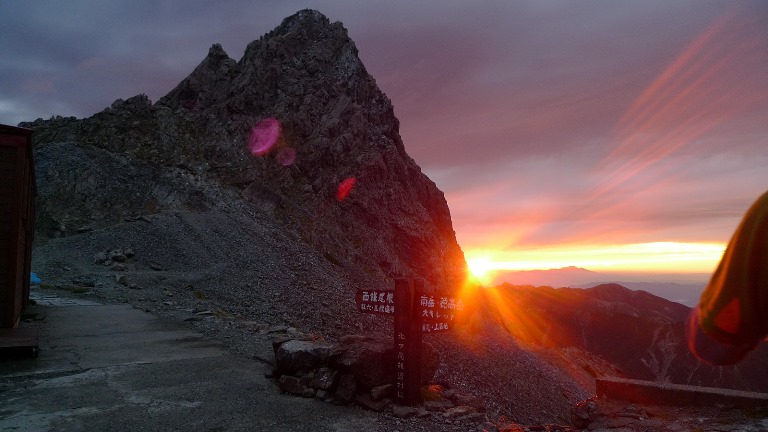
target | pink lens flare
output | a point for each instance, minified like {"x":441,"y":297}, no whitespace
{"x":345,"y":188}
{"x":286,"y":156}
{"x":264,"y":136}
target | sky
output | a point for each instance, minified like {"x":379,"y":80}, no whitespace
{"x":611,"y":135}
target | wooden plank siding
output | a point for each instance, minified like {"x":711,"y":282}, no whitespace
{"x":7,"y":177}
{"x":17,"y":193}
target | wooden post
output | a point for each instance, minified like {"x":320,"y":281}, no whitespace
{"x":416,"y":313}
{"x":407,"y":341}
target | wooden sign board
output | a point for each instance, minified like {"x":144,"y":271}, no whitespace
{"x":438,"y":310}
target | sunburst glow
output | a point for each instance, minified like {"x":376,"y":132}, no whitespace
{"x":480,"y":267}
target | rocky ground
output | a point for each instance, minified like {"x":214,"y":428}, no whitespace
{"x":164,"y":264}
{"x":151,"y":264}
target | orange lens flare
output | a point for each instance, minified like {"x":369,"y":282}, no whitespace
{"x":693,"y":96}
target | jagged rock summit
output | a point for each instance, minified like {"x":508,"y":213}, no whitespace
{"x":188,"y":153}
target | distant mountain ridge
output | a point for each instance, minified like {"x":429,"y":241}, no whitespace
{"x":684,"y":293}
{"x":683,"y":289}
{"x":559,"y":277}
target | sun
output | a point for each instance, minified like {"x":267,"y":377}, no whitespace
{"x":480,"y":268}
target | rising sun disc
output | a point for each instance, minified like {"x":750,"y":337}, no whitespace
{"x":480,"y":268}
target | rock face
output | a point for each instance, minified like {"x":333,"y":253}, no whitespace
{"x":188,"y":152}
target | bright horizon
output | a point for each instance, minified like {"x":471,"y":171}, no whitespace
{"x":658,"y":257}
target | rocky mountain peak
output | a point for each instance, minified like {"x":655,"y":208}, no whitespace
{"x":216,"y":52}
{"x":306,"y":51}
{"x":192,"y":145}
{"x":306,"y":20}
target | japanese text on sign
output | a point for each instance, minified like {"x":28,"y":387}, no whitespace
{"x":443,"y":303}
{"x":439,"y":308}
{"x":379,"y":297}
{"x":401,"y":343}
{"x":376,"y":301}
{"x":434,"y":327}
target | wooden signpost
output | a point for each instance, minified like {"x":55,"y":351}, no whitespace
{"x":416,"y":313}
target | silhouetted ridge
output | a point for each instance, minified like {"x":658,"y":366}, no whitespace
{"x":641,"y":334}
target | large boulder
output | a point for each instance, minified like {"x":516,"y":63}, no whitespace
{"x":356,"y":364}
{"x":297,"y":357}
{"x":371,"y":359}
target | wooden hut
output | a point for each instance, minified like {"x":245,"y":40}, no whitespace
{"x":17,"y":221}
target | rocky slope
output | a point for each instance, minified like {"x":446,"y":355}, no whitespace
{"x":639,"y":333}
{"x":238,"y":280}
